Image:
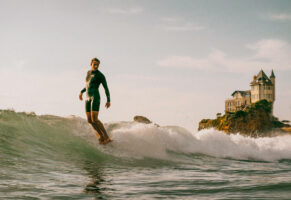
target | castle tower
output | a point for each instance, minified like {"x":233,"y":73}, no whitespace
{"x":272,"y":78}
{"x":263,"y":87}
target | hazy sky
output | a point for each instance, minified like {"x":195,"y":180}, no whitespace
{"x":172,"y":61}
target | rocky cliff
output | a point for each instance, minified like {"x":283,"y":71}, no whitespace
{"x":255,"y":120}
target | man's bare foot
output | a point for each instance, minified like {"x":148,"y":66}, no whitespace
{"x":106,"y":141}
{"x":101,"y":140}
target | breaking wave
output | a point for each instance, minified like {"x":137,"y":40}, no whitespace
{"x":26,"y":135}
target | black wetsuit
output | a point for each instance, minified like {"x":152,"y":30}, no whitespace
{"x":93,"y":80}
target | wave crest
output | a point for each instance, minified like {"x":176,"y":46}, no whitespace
{"x":48,"y":134}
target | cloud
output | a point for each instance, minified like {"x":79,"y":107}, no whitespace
{"x":179,"y":25}
{"x":125,"y":11}
{"x":183,"y":61}
{"x":280,"y":17}
{"x":271,"y":49}
{"x":215,"y":58}
{"x":267,"y":54}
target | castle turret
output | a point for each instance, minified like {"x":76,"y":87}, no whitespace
{"x":272,"y":78}
{"x":262,"y":87}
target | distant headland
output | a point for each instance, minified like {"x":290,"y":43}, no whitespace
{"x":250,"y":112}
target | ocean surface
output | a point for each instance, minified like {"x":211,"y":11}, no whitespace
{"x":50,"y":157}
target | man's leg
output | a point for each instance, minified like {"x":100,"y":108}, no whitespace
{"x":98,"y":132}
{"x":100,"y":124}
{"x":94,"y":117}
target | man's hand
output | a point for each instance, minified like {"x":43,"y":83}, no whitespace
{"x":107,"y":105}
{"x":81,"y":96}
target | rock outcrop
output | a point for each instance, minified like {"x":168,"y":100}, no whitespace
{"x":255,"y":120}
{"x":141,"y":119}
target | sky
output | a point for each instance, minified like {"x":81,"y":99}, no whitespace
{"x":173,"y":61}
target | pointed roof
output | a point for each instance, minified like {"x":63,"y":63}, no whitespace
{"x":272,"y":74}
{"x":261,"y":77}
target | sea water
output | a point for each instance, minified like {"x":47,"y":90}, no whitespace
{"x":50,"y":157}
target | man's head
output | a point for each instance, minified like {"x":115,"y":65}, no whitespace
{"x":95,"y":62}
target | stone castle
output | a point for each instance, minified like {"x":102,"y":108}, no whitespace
{"x":262,"y":87}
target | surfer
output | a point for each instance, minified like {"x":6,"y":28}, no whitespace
{"x":92,"y":104}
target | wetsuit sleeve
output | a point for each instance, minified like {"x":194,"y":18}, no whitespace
{"x":83,"y":90}
{"x":104,"y":83}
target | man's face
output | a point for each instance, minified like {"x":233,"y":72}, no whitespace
{"x":95,"y":64}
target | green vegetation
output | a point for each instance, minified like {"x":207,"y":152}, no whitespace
{"x":204,"y":120}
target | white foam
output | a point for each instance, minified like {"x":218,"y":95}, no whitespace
{"x":149,"y":140}
{"x":152,"y":141}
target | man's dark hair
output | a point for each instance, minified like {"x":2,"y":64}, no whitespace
{"x":95,"y":59}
